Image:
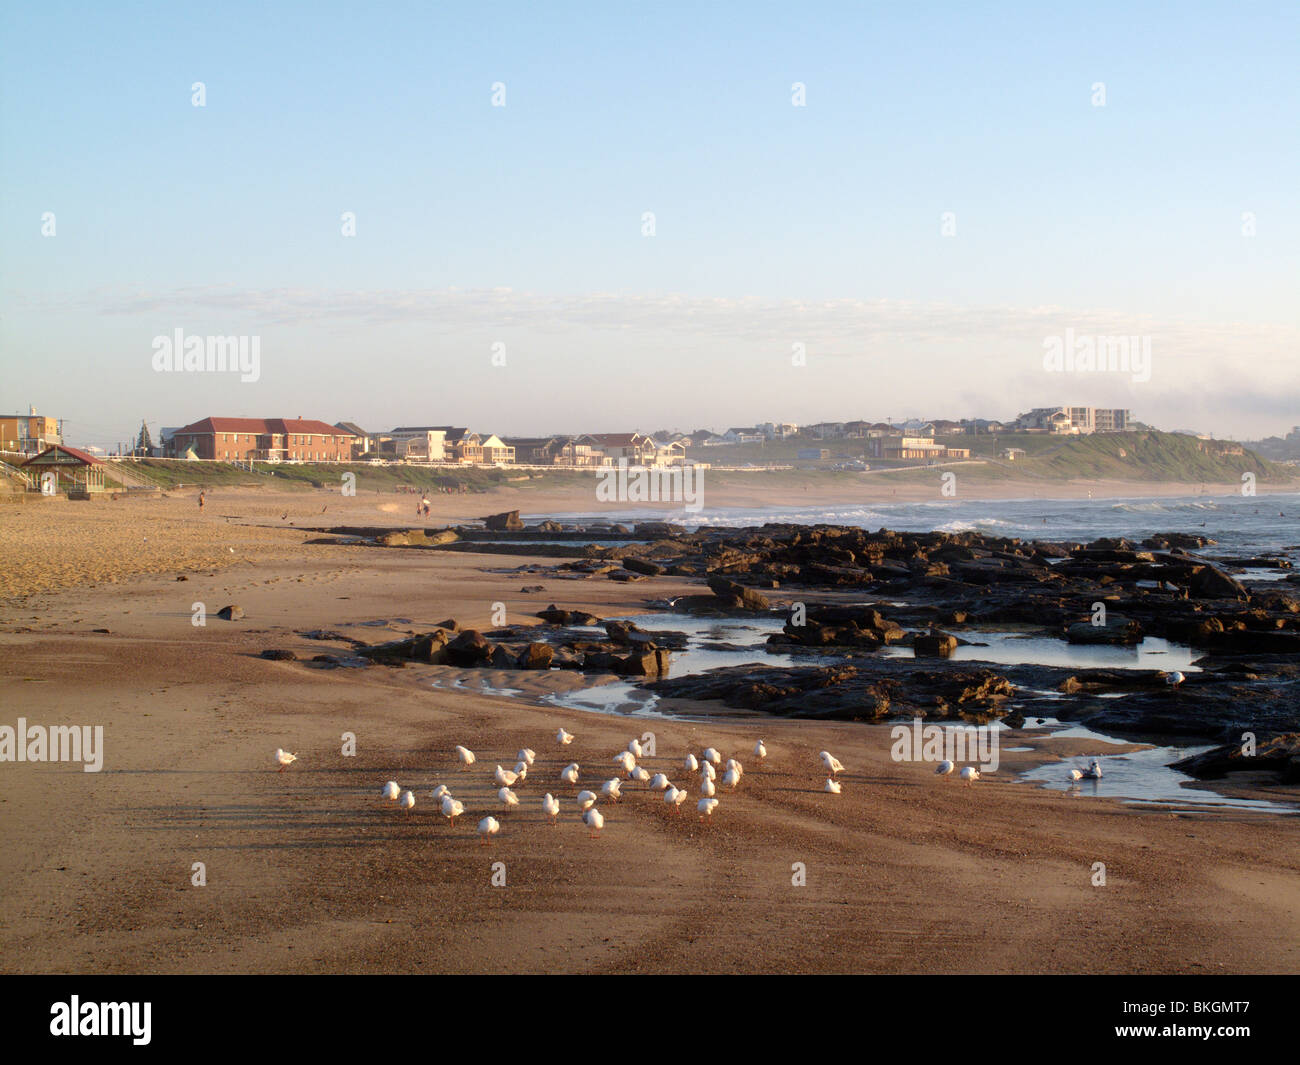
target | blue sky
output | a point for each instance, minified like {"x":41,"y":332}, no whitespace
{"x":522,"y":224}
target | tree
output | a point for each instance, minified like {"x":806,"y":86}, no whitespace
{"x":143,"y":442}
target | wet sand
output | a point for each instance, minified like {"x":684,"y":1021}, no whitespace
{"x":310,"y":871}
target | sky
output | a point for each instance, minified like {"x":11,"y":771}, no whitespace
{"x":683,"y":215}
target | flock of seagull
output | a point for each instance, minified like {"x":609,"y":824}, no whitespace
{"x":705,"y":764}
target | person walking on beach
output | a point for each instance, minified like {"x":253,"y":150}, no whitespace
{"x":200,"y":501}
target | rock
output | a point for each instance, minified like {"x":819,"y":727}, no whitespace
{"x":737,"y":595}
{"x":529,"y":589}
{"x":231,"y":613}
{"x":654,"y":530}
{"x":507,"y":521}
{"x":1209,"y":583}
{"x":933,"y":645}
{"x":469,"y":649}
{"x":641,"y":565}
{"x":430,"y":647}
{"x":1281,"y":755}
{"x":1117,"y":630}
{"x":279,"y":655}
{"x":536,"y":656}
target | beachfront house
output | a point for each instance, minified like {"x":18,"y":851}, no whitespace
{"x":29,"y":434}
{"x":262,"y":440}
{"x":749,"y":434}
{"x":418,"y":443}
{"x":632,"y":448}
{"x":497,"y":452}
{"x":72,"y":471}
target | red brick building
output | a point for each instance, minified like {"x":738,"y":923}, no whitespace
{"x":263,"y":440}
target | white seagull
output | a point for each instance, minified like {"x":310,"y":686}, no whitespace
{"x":659,"y":781}
{"x":945,"y":767}
{"x":627,"y":760}
{"x":521,"y":771}
{"x":586,"y":800}
{"x":969,"y":775}
{"x":465,"y":756}
{"x":610,"y":789}
{"x":640,"y":774}
{"x":733,"y":764}
{"x":831,"y":763}
{"x":439,"y":792}
{"x":407,"y":801}
{"x":706,"y":807}
{"x":526,"y":754}
{"x":707,"y":769}
{"x":488,"y":827}
{"x":832,"y":786}
{"x":594,"y":820}
{"x":392,"y":791}
{"x":284,"y":759}
{"x":569,"y":774}
{"x":760,"y":750}
{"x":1174,"y":679}
{"x":711,"y":755}
{"x":504,"y":777}
{"x":731,"y":778}
{"x":452,"y":808}
{"x":508,"y":797}
{"x":550,"y":806}
{"x":564,"y":738}
{"x":675,"y":797}
{"x":1093,"y":772}
{"x":707,"y":788}
{"x":634,"y":748}
{"x":692,"y":763}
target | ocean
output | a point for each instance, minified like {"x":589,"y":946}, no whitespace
{"x":1242,"y":526}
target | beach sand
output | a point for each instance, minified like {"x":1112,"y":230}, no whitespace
{"x":310,"y":871}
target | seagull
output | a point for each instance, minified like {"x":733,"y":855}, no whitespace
{"x":731,"y":778}
{"x":707,"y":769}
{"x":439,"y":792}
{"x":692,"y":763}
{"x":706,"y":807}
{"x":284,"y":759}
{"x":831,"y":763}
{"x":504,"y":777}
{"x":712,"y":755}
{"x":564,"y":738}
{"x":610,"y":789}
{"x":969,"y":775}
{"x":407,"y":801}
{"x":392,"y":791}
{"x":586,"y":800}
{"x":832,"y":786}
{"x":627,"y":760}
{"x":550,"y":806}
{"x":945,"y":767}
{"x":733,"y":764}
{"x":1093,"y":772}
{"x":675,"y":797}
{"x":594,"y":820}
{"x":452,"y":808}
{"x":707,"y":788}
{"x":640,"y":774}
{"x":508,"y":797}
{"x":521,"y":771}
{"x":526,"y":754}
{"x":1076,"y":774}
{"x":466,"y":756}
{"x":1174,"y":679}
{"x":569,"y":774}
{"x":634,"y":748}
{"x":488,"y":827}
{"x":659,"y":781}
{"x":760,"y":750}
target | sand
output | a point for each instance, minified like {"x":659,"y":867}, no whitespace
{"x":310,"y":871}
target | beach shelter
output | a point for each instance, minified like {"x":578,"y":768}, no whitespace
{"x":74,"y":471}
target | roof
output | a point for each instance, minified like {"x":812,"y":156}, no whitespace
{"x":615,"y":439}
{"x":351,"y":427}
{"x":76,"y":453}
{"x":308,"y":426}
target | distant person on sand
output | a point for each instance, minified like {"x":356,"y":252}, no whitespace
{"x":200,"y":501}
